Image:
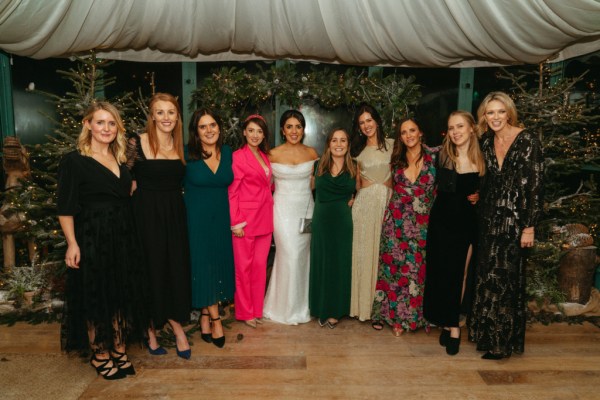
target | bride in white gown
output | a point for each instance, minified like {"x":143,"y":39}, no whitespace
{"x":286,"y":301}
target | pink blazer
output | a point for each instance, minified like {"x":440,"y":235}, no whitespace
{"x":250,"y":197}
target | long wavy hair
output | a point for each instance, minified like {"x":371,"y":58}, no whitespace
{"x":177,"y":131}
{"x":473,"y":152}
{"x":511,"y":109}
{"x":291,"y":114}
{"x":195,"y":149}
{"x":359,"y":141}
{"x":399,"y":159}
{"x":264,"y":145}
{"x":118,"y":146}
{"x":326,"y":162}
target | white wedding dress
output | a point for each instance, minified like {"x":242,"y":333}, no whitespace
{"x":286,"y":301}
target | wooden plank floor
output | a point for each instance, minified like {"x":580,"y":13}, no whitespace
{"x":350,"y":362}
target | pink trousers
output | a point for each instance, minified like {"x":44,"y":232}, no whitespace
{"x":250,"y":257}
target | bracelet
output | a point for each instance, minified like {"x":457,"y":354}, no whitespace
{"x":527,"y":233}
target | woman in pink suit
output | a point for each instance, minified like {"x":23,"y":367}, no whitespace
{"x":251,"y":207}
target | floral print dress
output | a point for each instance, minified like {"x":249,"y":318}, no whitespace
{"x":401,"y":275}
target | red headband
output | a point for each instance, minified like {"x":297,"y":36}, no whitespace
{"x":255,"y":116}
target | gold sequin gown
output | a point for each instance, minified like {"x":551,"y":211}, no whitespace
{"x":367,"y":216}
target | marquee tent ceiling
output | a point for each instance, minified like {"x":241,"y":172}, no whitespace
{"x":433,"y":33}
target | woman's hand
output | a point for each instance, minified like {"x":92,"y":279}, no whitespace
{"x":73,"y":256}
{"x":527,"y":237}
{"x":133,"y":187}
{"x":238,"y":232}
{"x":473,"y":198}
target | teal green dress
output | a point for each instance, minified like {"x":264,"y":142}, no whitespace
{"x":331,"y":247}
{"x":211,"y":253}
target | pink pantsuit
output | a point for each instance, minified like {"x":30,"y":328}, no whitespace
{"x":251,"y":207}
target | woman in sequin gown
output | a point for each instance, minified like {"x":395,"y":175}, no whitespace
{"x":511,"y":200}
{"x":372,"y":152}
{"x":401,"y":274}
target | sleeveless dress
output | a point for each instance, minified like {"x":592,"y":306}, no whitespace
{"x":401,"y":274}
{"x":367,"y":217}
{"x":287,"y":295}
{"x":211,"y":252}
{"x":452,"y":229}
{"x":110,"y":279}
{"x":331,"y":247}
{"x":160,"y":216}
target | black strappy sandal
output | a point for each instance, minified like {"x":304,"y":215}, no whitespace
{"x":105,"y":367}
{"x":121,"y":360}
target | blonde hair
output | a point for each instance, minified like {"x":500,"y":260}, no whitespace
{"x":473,"y":152}
{"x":503,"y":98}
{"x":118,"y":146}
{"x":177,"y":131}
{"x":326,"y":162}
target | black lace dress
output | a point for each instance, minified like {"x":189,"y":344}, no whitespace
{"x":109,"y":285}
{"x":161,"y":220}
{"x":511,"y":199}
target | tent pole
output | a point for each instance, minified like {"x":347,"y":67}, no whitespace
{"x":7,"y":118}
{"x":465,"y":89}
{"x":188,"y":85}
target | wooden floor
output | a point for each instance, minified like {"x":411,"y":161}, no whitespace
{"x":350,"y":362}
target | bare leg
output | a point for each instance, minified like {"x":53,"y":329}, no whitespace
{"x":180,"y":337}
{"x":217,"y":327}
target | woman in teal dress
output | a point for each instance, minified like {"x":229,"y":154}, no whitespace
{"x":207,"y":177}
{"x":331,"y":244}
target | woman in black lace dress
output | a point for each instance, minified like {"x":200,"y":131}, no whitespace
{"x":105,"y":304}
{"x":157,"y":163}
{"x":511,"y":199}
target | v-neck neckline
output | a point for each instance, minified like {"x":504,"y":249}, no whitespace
{"x":108,"y":169}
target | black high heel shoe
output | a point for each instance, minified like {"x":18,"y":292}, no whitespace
{"x":207,"y":337}
{"x":220,"y":341}
{"x":121,"y":360}
{"x":103,"y":369}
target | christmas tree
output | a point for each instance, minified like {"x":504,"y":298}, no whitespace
{"x":566,"y":121}
{"x":36,"y":198}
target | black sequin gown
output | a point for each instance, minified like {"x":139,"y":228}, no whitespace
{"x":109,"y":285}
{"x":160,"y":215}
{"x":511,"y":199}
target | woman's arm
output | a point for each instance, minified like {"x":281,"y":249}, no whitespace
{"x":73,"y":255}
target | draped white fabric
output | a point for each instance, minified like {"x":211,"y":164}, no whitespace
{"x":457,"y":33}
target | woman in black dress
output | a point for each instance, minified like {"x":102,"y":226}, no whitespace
{"x":511,"y":199}
{"x":157,"y":163}
{"x":452,"y":232}
{"x":104,"y":299}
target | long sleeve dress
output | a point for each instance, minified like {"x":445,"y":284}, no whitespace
{"x":401,"y":275}
{"x":511,"y":199}
{"x":367,"y":216}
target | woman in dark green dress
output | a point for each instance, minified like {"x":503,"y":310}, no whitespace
{"x":331,"y":244}
{"x":208,"y":174}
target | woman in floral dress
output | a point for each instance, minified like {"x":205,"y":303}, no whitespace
{"x":401,"y":275}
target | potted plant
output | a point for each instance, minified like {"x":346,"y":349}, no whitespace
{"x":23,"y":282}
